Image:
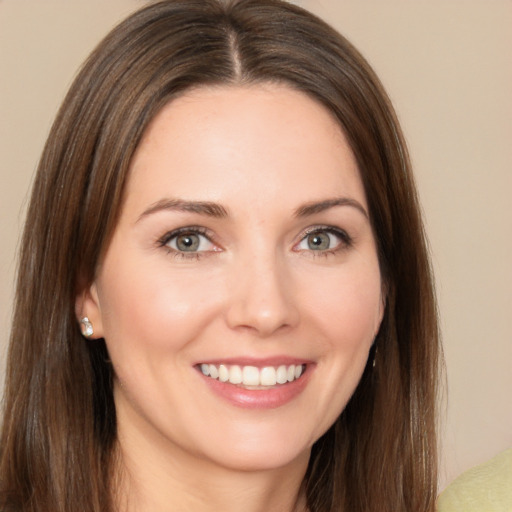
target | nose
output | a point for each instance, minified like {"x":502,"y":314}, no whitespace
{"x":263,"y":299}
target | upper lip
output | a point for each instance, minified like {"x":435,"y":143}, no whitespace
{"x":257,"y":362}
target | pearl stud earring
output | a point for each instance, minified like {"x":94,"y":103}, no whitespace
{"x":87,"y":329}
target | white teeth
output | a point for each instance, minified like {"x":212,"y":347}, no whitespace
{"x":235,"y":375}
{"x":282,"y":375}
{"x":214,"y":373}
{"x":223,"y":373}
{"x":252,"y":375}
{"x":268,"y":376}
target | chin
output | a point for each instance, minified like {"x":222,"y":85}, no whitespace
{"x":264,"y":460}
{"x":261,"y":451}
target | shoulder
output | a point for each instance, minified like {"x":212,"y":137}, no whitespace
{"x":484,"y":488}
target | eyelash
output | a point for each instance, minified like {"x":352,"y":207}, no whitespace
{"x":346,"y":241}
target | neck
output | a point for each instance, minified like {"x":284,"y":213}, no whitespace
{"x":158,"y":478}
{"x":205,"y":489}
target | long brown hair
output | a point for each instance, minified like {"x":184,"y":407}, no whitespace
{"x":59,"y":428}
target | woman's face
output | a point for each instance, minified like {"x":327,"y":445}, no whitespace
{"x":241,"y":291}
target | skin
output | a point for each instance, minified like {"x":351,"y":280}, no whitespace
{"x":256,"y":288}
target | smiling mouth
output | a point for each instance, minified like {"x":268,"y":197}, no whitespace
{"x":252,"y":376}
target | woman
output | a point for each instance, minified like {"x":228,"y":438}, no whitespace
{"x":224,"y":295}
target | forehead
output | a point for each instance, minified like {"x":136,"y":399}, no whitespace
{"x":213,"y":143}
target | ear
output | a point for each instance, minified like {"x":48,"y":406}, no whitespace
{"x":382,"y":309}
{"x":87,"y":304}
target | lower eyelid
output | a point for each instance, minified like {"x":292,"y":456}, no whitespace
{"x":180,"y":255}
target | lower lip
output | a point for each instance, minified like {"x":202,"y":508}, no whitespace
{"x":269,"y":398}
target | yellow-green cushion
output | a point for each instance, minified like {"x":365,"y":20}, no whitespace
{"x":484,"y":488}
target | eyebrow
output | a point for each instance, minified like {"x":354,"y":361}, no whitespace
{"x":320,"y":206}
{"x":216,"y":210}
{"x":201,"y":207}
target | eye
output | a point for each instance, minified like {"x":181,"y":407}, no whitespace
{"x":324,"y":239}
{"x":188,"y":240}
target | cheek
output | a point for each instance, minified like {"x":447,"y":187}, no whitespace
{"x":348,"y":305}
{"x":346,"y":315}
{"x":151,"y":309}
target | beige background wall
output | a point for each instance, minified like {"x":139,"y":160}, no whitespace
{"x":448,"y":68}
